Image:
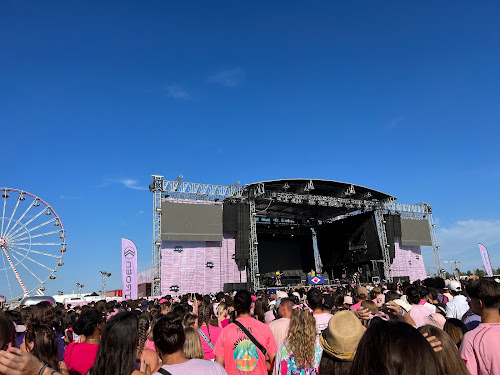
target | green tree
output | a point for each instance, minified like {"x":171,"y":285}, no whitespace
{"x":469,"y":273}
{"x":479,"y":272}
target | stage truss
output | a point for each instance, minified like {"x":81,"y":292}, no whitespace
{"x":162,"y":189}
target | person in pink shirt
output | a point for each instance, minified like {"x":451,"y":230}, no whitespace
{"x":315,"y":301}
{"x":378,"y":296}
{"x":362,"y":295}
{"x":208,"y":333}
{"x":418,"y":312}
{"x":480,"y":347}
{"x":236,"y":351}
{"x":79,"y":357}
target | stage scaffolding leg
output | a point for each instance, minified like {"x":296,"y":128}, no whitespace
{"x":379,"y":217}
{"x":317,"y":259}
{"x":254,"y":256}
{"x":435,"y":247}
{"x":156,"y":188}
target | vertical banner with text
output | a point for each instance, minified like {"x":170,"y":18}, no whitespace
{"x":129,"y":269}
{"x":486,"y":260}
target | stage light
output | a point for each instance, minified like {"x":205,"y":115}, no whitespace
{"x":433,"y":225}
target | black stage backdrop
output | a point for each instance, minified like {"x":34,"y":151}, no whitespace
{"x":282,"y":251}
{"x":337,"y":238}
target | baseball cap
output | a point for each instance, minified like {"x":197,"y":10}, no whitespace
{"x":271,"y":292}
{"x":361,"y":290}
{"x":348,"y":300}
{"x":281,"y":294}
{"x":455,"y":286}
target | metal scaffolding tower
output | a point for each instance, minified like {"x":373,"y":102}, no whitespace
{"x":156,"y":188}
{"x":254,"y":254}
{"x":379,"y":218}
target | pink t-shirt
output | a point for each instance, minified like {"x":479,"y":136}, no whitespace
{"x":322,"y":321}
{"x":213,"y":335}
{"x":418,"y":313}
{"x":194,"y":366}
{"x":80,"y":357}
{"x":150,"y":344}
{"x":355,"y":306}
{"x":240,"y":353}
{"x":379,"y":300}
{"x":480,"y":349}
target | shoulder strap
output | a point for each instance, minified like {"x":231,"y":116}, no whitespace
{"x":164,"y":372}
{"x":207,"y":340}
{"x":250,"y":336}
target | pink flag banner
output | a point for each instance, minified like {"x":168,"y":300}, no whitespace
{"x":486,"y":260}
{"x":129,"y":269}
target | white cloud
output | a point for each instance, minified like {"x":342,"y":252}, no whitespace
{"x":228,"y":78}
{"x":460,"y":242}
{"x":128,"y":183}
{"x":140,"y":212}
{"x":177,"y":92}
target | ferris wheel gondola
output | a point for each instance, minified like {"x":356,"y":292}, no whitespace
{"x":32,"y":243}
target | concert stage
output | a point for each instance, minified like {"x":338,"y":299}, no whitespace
{"x":206,"y":236}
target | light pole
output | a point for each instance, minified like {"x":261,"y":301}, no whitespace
{"x":79,"y":288}
{"x":105,"y":275}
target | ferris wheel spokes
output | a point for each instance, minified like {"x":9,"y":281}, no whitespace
{"x":22,"y":217}
{"x":32,"y":229}
{"x":36,"y":252}
{"x":11,"y":216}
{"x":39,"y":235}
{"x":15,"y":271}
{"x":26,"y":224}
{"x":27,"y":257}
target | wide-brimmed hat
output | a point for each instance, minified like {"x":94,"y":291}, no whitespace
{"x":340,"y":340}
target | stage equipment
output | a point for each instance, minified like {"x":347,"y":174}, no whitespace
{"x":285,"y":202}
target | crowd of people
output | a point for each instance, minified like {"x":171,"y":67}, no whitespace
{"x":428,"y":327}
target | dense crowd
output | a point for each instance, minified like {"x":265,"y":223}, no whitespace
{"x":428,"y":327}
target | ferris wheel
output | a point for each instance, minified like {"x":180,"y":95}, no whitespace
{"x":32,"y":243}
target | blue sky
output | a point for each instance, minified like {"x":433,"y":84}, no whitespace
{"x":97,"y":96}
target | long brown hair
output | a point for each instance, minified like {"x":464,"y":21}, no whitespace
{"x":142,"y":332}
{"x":389,"y":347}
{"x":302,"y":337}
{"x":7,"y":331}
{"x":456,"y":329}
{"x":205,"y":313}
{"x":44,"y":340}
{"x":449,"y":357}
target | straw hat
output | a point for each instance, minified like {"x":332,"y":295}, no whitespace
{"x":340,"y":340}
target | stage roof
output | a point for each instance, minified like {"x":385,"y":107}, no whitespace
{"x":271,"y":207}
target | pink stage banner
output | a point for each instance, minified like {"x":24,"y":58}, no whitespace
{"x":486,"y":260}
{"x":129,"y":269}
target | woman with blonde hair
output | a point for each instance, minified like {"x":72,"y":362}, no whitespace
{"x":222,"y":315}
{"x":300,"y":352}
{"x":192,"y":345}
